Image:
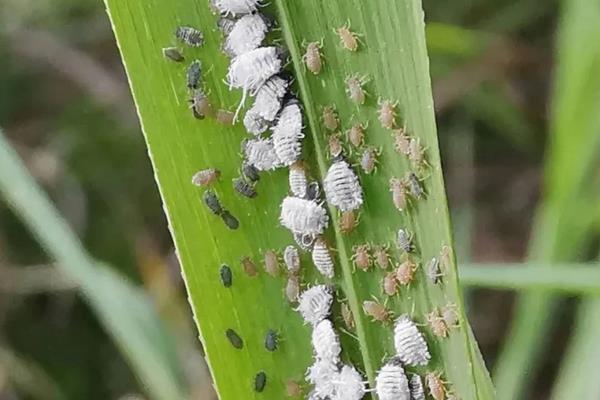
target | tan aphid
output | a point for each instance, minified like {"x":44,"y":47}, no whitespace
{"x":381,"y":256}
{"x":292,"y":288}
{"x":437,"y":324}
{"x":271,"y":263}
{"x":348,"y":39}
{"x":390,"y":284}
{"x":313,"y":58}
{"x":377,"y":311}
{"x":387,"y":113}
{"x":356,"y":134}
{"x":361,"y":256}
{"x":348,"y":221}
{"x":249,"y":267}
{"x":405,"y":273}
{"x":436,"y":387}
{"x":399,"y":189}
{"x":450,"y":316}
{"x":348,"y":316}
{"x":225,"y":117}
{"x":354,"y":89}
{"x":334,"y":143}
{"x":206,"y":177}
{"x":401,"y":141}
{"x":293,"y":388}
{"x":330,"y":118}
{"x":416,"y":153}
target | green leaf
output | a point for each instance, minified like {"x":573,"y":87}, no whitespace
{"x":392,"y":55}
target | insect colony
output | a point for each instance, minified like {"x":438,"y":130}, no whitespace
{"x":275,"y":124}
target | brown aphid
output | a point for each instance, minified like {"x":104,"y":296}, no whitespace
{"x":377,"y":311}
{"x":348,"y":316}
{"x":356,"y":134}
{"x":335,"y":145}
{"x":381,"y":256}
{"x":399,"y":189}
{"x":225,"y":117}
{"x":312,"y":57}
{"x":436,"y":387}
{"x":405,"y":273}
{"x":348,"y":221}
{"x":449,"y":314}
{"x":249,"y":267}
{"x":348,"y":39}
{"x":292,"y":288}
{"x":362,"y":257}
{"x":401,"y":141}
{"x":206,"y":177}
{"x":414,"y":185}
{"x":293,"y":388}
{"x":390,"y":284}
{"x":200,"y":105}
{"x":271,"y":263}
{"x":387,"y":113}
{"x":368,"y":160}
{"x":330,"y":118}
{"x":354,"y":89}
{"x":437,"y":324}
{"x":416,"y":153}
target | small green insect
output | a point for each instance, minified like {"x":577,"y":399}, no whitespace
{"x":260,"y":381}
{"x":235,"y":339}
{"x":226,"y":275}
{"x":271,"y":340}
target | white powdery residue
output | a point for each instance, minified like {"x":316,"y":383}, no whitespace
{"x":321,"y":257}
{"x":391,"y":382}
{"x":287,"y":133}
{"x":325,"y":342}
{"x":349,"y":384}
{"x":261,"y":154}
{"x":315,"y":304}
{"x":236,"y":7}
{"x":342,"y":187}
{"x":246,"y":35}
{"x":411,"y":347}
{"x":322,"y":374}
{"x":302,"y":216}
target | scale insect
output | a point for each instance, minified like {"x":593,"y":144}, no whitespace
{"x":361,"y":256}
{"x":348,"y":222}
{"x":292,"y":288}
{"x":287,"y":133}
{"x":321,"y":257}
{"x":173,"y":54}
{"x":377,"y":311}
{"x":368,"y":160}
{"x":271,"y":263}
{"x":354,"y":88}
{"x":322,"y":375}
{"x":200,"y":105}
{"x":356,"y":134}
{"x":348,"y":39}
{"x":325,"y":342}
{"x":390,"y":284}
{"x":405,"y":273}
{"x":249,"y":71}
{"x":271,"y":340}
{"x":315,"y":304}
{"x":297,"y":180}
{"x":194,"y":75}
{"x":206,"y":177}
{"x":254,"y":123}
{"x":246,"y":34}
{"x":411,"y":347}
{"x":260,"y":381}
{"x":249,"y":267}
{"x":437,"y":323}
{"x":235,"y":339}
{"x":401,"y":141}
{"x":381,"y":256}
{"x":387,"y":113}
{"x":404,"y":240}
{"x":391,"y":382}
{"x":399,"y":190}
{"x":330,"y":118}
{"x":190,"y":36}
{"x":342,"y":187}
{"x":212,"y":202}
{"x":417,"y":390}
{"x":436,"y":387}
{"x":291,"y":258}
{"x":226,"y":275}
{"x":414,"y":185}
{"x":261,"y":154}
{"x":235,"y":8}
{"x":334,"y":143}
{"x":349,"y":384}
{"x":313,"y":57}
{"x":302,"y":216}
{"x":244,"y":188}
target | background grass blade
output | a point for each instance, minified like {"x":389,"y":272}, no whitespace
{"x":136,"y":328}
{"x":563,"y":223}
{"x":393,"y":57}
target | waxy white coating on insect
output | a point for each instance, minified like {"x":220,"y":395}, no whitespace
{"x":268,"y":100}
{"x":254,"y":123}
{"x":391,"y":382}
{"x":190,"y":36}
{"x":410,"y":345}
{"x":313,"y":58}
{"x":404,"y":240}
{"x":297,"y":180}
{"x":416,"y":190}
{"x":326,"y":343}
{"x":417,"y":390}
{"x":225,"y":25}
{"x":303,"y":216}
{"x":315,"y":304}
{"x":321,"y":257}
{"x":246,"y":35}
{"x":287,"y":133}
{"x":322,"y":375}
{"x":342,"y":187}
{"x":261,"y":154}
{"x":236,"y":7}
{"x":349,"y":384}
{"x":291,"y":258}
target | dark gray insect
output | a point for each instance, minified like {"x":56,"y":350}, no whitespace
{"x":226,"y":276}
{"x":235,"y":339}
{"x":416,"y":190}
{"x":260,"y":381}
{"x":230,"y":221}
{"x":244,"y":188}
{"x":194,"y":74}
{"x":404,"y":240}
{"x":173,"y":54}
{"x":190,"y":36}
{"x":212,"y":202}
{"x":250,"y":172}
{"x":271,"y":340}
{"x":199,"y":104}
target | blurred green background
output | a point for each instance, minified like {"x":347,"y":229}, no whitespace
{"x":505,"y":107}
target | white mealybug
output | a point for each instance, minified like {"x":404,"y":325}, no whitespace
{"x":261,"y":154}
{"x":287,"y":133}
{"x":302,"y":216}
{"x":391,"y":382}
{"x":417,"y":390}
{"x":236,"y":7}
{"x":254,"y":123}
{"x":322,"y":258}
{"x":225,"y":25}
{"x":246,"y":35}
{"x":322,"y":375}
{"x":342,"y":188}
{"x":269,"y":97}
{"x":291,"y":258}
{"x":349,"y":384}
{"x":297,"y":180}
{"x":315,"y":304}
{"x":410,"y":345}
{"x":325,"y":342}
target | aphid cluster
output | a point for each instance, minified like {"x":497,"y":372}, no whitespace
{"x":214,"y":205}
